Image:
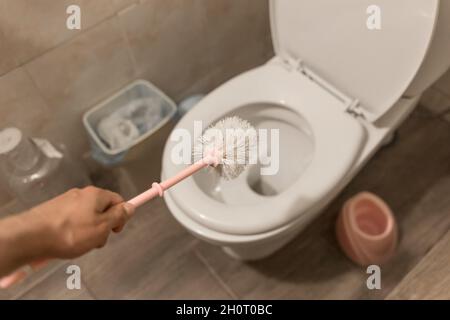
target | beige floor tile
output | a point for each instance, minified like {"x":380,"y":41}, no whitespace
{"x":124,"y":4}
{"x":430,"y":279}
{"x":30,"y":282}
{"x":412,"y":175}
{"x":54,"y":287}
{"x":152,"y":258}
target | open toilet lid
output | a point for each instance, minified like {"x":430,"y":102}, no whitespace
{"x":332,"y":38}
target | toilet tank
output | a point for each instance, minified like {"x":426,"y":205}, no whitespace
{"x":437,"y":60}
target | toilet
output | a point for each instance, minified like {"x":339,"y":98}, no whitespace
{"x":336,"y":90}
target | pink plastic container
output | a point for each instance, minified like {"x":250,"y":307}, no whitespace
{"x":366,"y":230}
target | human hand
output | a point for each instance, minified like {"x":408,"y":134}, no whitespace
{"x":69,"y":226}
{"x":81,"y":220}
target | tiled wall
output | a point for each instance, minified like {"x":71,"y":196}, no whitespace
{"x":49,"y":75}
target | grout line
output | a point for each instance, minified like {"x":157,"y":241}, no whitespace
{"x":84,"y":283}
{"x":207,"y":78}
{"x":213,"y":272}
{"x":62,"y":43}
{"x":65,"y":41}
{"x":124,"y":35}
{"x":50,"y":106}
{"x":36,"y":87}
{"x":88,"y":289}
{"x":127,"y":8}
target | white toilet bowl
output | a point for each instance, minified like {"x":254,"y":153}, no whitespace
{"x":325,"y":133}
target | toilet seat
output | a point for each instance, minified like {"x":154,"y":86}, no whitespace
{"x":359,"y":71}
{"x":337,"y":137}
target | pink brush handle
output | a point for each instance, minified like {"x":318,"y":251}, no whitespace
{"x":155,"y":190}
{"x":158,"y":189}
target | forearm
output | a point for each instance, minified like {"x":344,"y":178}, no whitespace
{"x":65,"y":227}
{"x":23,"y":238}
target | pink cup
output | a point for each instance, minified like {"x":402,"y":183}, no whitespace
{"x":366,"y":230}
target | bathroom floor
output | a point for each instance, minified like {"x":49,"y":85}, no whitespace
{"x":155,"y":258}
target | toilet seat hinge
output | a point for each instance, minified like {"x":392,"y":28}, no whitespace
{"x":354,"y":109}
{"x":351,"y":105}
{"x":293,"y":64}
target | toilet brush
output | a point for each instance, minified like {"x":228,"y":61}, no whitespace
{"x":229,"y":146}
{"x":157,"y":189}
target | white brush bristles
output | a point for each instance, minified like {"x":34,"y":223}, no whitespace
{"x":234,"y":142}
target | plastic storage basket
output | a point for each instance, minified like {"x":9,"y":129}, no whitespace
{"x":139,"y":91}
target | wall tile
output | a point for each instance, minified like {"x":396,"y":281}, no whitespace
{"x":21,"y":104}
{"x":33,"y":27}
{"x":8,"y":59}
{"x":248,"y":59}
{"x":238,"y":33}
{"x":168,"y":42}
{"x":78,"y":74}
{"x":183,"y":46}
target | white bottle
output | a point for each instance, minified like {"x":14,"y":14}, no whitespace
{"x":33,"y":170}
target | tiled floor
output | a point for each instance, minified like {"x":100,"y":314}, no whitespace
{"x":156,"y":258}
{"x":431,"y":278}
